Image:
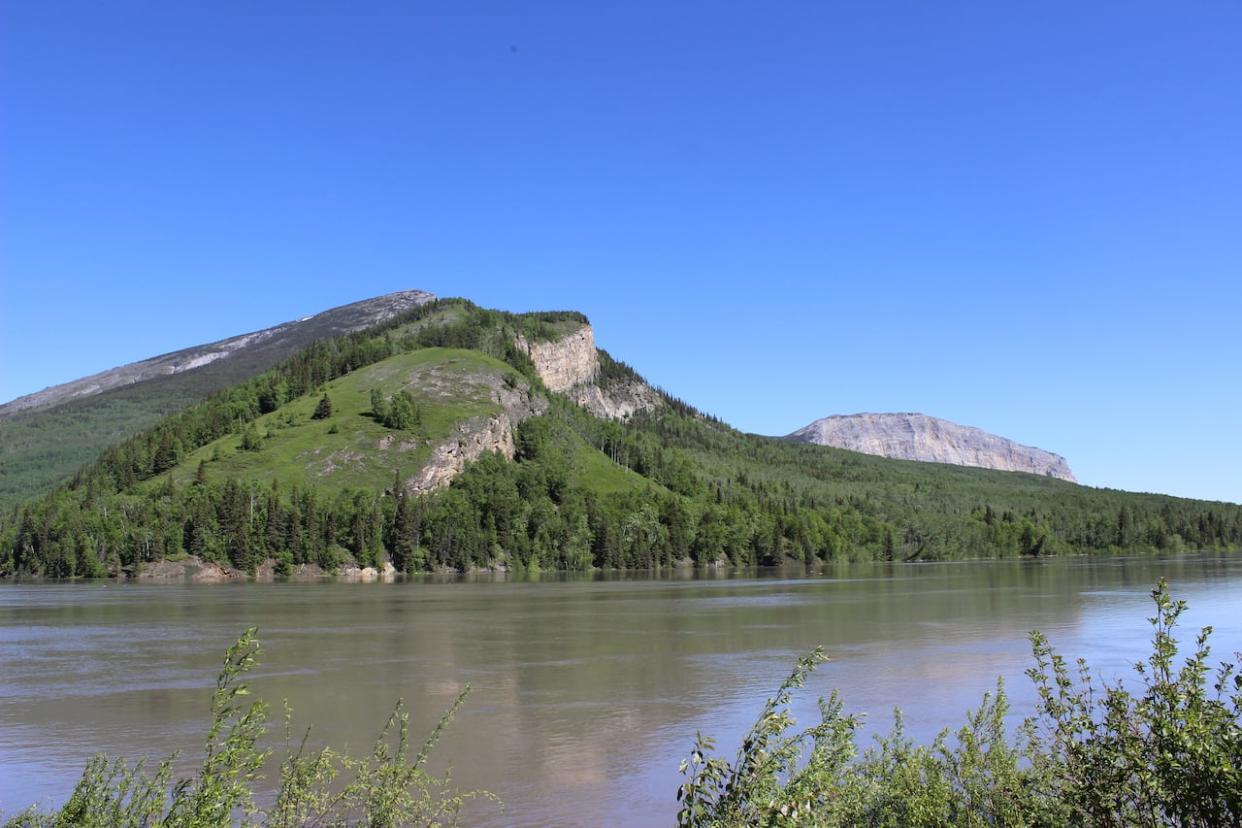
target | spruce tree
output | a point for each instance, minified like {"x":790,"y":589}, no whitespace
{"x":324,"y":410}
{"x":165,"y":454}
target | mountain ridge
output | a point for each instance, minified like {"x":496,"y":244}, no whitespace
{"x":434,"y":441}
{"x":47,"y":436}
{"x":341,"y":319}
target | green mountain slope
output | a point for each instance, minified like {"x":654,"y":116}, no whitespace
{"x":46,"y":436}
{"x":443,"y":447}
{"x":350,"y":447}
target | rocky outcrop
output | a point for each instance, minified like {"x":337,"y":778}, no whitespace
{"x":473,"y":438}
{"x":570,"y":366}
{"x":189,"y":568}
{"x":619,"y":401}
{"x":352,"y":573}
{"x":920,"y":437}
{"x":565,"y":362}
{"x":192,"y":569}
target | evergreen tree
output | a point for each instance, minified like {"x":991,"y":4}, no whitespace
{"x":324,"y":410}
{"x":165,"y":454}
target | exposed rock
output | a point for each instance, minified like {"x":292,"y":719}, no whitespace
{"x":352,"y":573}
{"x":193,"y":569}
{"x":266,"y":571}
{"x":565,"y":362}
{"x":339,"y":459}
{"x":179,"y":570}
{"x":214,"y":573}
{"x":619,"y":401}
{"x":919,"y":437}
{"x":570,"y":366}
{"x":189,"y":568}
{"x":308,"y":572}
{"x":473,"y":438}
{"x":298,"y":572}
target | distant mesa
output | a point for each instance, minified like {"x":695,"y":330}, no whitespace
{"x":913,"y":436}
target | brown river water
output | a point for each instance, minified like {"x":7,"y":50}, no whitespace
{"x":586,"y":692}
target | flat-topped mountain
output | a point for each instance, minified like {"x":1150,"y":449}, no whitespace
{"x":913,"y":436}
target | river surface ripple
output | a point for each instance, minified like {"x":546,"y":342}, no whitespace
{"x":586,"y":692}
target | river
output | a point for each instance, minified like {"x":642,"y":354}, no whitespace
{"x":586,"y":692}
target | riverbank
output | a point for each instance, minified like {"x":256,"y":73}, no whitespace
{"x":192,"y":569}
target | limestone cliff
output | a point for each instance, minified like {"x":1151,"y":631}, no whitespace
{"x":473,"y":438}
{"x":565,"y":362}
{"x":914,"y":436}
{"x":570,"y":365}
{"x":619,"y":401}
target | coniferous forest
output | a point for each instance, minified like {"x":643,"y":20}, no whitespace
{"x":671,"y":486}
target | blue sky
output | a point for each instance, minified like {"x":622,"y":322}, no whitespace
{"x":1027,"y":219}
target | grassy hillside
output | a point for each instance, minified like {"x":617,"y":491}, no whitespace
{"x":44,"y":446}
{"x":250,"y":474}
{"x":350,"y":448}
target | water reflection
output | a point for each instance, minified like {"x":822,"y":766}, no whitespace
{"x":587,"y":690}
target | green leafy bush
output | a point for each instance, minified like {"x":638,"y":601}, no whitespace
{"x":322,"y":788}
{"x":1167,"y":754}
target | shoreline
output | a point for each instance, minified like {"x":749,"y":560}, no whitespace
{"x":193,"y":570}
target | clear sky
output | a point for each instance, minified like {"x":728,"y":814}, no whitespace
{"x":1025,"y":217}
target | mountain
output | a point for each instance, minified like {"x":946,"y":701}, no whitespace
{"x":225,"y":362}
{"x":915,"y":436}
{"x":464,"y":403}
{"x":46,"y":436}
{"x":451,"y":436}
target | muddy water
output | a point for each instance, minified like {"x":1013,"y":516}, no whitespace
{"x":586,"y":693}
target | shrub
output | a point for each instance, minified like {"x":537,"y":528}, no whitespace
{"x":1168,"y":754}
{"x":385,"y":789}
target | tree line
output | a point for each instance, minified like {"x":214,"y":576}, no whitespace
{"x":704,"y":493}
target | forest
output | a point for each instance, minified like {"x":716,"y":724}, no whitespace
{"x":668,"y":487}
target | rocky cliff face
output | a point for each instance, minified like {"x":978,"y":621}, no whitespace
{"x":231,"y":359}
{"x":619,"y":401}
{"x":919,"y":437}
{"x":473,"y":438}
{"x":565,"y":362}
{"x":570,"y":366}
